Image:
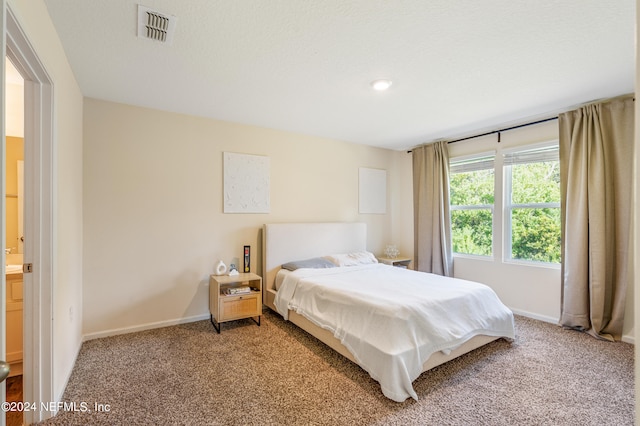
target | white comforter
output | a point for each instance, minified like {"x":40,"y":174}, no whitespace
{"x":391,"y":319}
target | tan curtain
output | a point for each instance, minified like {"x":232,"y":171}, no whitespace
{"x":596,"y":175}
{"x":432,"y":223}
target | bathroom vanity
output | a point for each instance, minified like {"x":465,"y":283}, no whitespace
{"x":14,"y":322}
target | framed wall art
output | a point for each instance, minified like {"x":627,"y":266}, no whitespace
{"x":246,"y":183}
{"x":372,"y":191}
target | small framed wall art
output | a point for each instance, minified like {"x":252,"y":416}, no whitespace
{"x":372,"y":191}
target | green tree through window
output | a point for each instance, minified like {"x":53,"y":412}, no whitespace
{"x":535,"y":211}
{"x":471,"y":200}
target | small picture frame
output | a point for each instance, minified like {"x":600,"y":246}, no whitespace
{"x":247,"y":259}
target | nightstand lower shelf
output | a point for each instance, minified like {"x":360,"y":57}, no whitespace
{"x":218,"y":325}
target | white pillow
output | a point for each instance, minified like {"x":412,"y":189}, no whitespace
{"x":352,"y":259}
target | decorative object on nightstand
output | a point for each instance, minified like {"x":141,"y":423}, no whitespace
{"x":234,"y":297}
{"x":391,"y":251}
{"x":221,"y":268}
{"x":233,"y":269}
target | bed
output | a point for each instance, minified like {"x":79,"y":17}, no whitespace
{"x":375,"y":314}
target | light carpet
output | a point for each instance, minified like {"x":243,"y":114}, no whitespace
{"x":276,"y":374}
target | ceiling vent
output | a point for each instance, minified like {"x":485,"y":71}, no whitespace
{"x":155,"y":25}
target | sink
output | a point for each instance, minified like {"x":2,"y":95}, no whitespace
{"x":12,"y":269}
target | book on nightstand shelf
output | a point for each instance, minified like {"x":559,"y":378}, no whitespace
{"x":232,"y":291}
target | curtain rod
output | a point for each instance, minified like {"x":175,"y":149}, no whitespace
{"x":504,"y":130}
{"x":500,"y":131}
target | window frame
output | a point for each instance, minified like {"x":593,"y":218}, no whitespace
{"x":475,"y":162}
{"x":509,"y":206}
{"x":502,"y":206}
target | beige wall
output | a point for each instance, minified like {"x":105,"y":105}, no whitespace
{"x":15,"y":152}
{"x":34,"y":20}
{"x":14,"y":113}
{"x":154,"y":226}
{"x":153,"y":212}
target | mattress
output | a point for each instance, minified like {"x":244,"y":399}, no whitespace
{"x":282,"y":273}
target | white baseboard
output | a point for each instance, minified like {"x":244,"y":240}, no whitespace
{"x":629,"y":339}
{"x":148,"y":326}
{"x":58,"y":398}
{"x":625,"y":338}
{"x":536,"y":316}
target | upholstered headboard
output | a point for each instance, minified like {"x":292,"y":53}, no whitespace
{"x":286,"y":242}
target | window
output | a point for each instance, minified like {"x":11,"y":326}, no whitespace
{"x":472,"y":202}
{"x":513,"y":214}
{"x":532,"y":205}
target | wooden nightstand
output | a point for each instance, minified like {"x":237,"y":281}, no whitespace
{"x":402,"y":262}
{"x":226,"y":306}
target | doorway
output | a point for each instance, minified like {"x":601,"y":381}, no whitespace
{"x":38,"y":221}
{"x":14,"y":236}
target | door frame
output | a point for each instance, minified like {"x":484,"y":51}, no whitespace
{"x":3,"y":221}
{"x":38,"y":379}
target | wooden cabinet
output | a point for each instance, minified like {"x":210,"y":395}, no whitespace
{"x":14,"y":323}
{"x":226,"y":305}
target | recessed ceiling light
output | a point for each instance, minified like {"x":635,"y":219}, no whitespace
{"x":381,"y":85}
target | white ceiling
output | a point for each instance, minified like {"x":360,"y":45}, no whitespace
{"x":458,"y":66}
